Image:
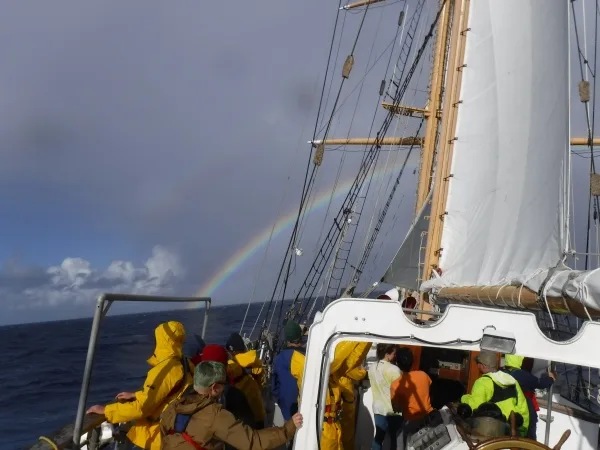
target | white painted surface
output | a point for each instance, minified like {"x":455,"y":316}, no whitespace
{"x":361,"y":319}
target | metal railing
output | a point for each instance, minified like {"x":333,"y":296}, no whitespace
{"x":102,"y":306}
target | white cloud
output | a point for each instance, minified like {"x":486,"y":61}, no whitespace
{"x":75,"y":281}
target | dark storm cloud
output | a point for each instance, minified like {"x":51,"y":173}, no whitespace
{"x":176,"y":123}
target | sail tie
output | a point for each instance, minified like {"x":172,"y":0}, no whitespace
{"x":585,"y":292}
{"x":534,"y":274}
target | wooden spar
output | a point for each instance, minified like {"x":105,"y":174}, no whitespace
{"x":403,"y":110}
{"x":440,"y":190}
{"x":434,"y":104}
{"x":584,"y":141}
{"x":412,"y":112}
{"x":370,"y":141}
{"x":360,"y":3}
{"x":515,"y":297}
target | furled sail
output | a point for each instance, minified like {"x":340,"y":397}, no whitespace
{"x":405,"y":268}
{"x":506,"y":219}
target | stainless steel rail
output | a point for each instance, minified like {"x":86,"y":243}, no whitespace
{"x":102,"y":306}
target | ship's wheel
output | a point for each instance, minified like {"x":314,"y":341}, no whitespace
{"x":513,"y":442}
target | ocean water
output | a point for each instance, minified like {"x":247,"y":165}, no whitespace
{"x":42,"y":364}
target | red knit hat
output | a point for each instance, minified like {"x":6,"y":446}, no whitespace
{"x":214,"y":352}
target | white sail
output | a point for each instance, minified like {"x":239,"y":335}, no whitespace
{"x":507,"y":205}
{"x":405,"y":268}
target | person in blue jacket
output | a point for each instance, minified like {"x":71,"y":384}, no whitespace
{"x":513,"y":365}
{"x":286,"y":370}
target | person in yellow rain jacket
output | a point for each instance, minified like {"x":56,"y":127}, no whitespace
{"x":331,"y":437}
{"x":353,"y":372}
{"x":171,"y":374}
{"x":246,"y":372}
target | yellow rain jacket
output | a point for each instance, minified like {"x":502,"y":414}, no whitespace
{"x":503,"y":390}
{"x":331,"y":437}
{"x":246,"y":373}
{"x":165,"y":382}
{"x":353,"y":372}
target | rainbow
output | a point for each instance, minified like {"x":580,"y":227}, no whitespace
{"x":239,"y":258}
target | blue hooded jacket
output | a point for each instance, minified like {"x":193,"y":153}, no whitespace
{"x":284,"y":385}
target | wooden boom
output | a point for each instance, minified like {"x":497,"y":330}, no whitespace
{"x":515,"y":297}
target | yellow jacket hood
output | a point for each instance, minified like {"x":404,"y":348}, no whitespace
{"x":248,"y":359}
{"x":169,"y":337}
{"x":514,"y":361}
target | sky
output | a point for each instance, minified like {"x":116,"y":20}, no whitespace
{"x":150,"y":148}
{"x":144,"y":144}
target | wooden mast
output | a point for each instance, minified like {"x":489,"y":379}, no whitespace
{"x":434,"y":105}
{"x":448,"y":127}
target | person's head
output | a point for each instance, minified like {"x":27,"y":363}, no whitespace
{"x":392,"y":294}
{"x":513,"y":361}
{"x":409,"y":302}
{"x":386,"y":352}
{"x":236,"y":344}
{"x":487,"y":362}
{"x":216,"y":353}
{"x":210,"y":378}
{"x":404,"y":359}
{"x":527,"y":364}
{"x":292,"y":333}
{"x":169,"y":338}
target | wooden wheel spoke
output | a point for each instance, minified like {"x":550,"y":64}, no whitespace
{"x":512,"y":442}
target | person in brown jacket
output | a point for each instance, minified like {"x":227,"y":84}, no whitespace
{"x":197,"y":421}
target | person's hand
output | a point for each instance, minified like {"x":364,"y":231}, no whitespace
{"x":125,"y":396}
{"x":297,"y":419}
{"x":552,"y":375}
{"x":96,"y":409}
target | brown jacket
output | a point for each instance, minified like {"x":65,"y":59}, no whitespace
{"x":211,"y":426}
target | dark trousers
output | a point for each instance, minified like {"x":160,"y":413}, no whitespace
{"x":532,"y":430}
{"x":408,"y":428}
{"x":386,"y":425}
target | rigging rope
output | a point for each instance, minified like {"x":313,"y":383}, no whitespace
{"x":306,"y":175}
{"x":345,"y":74}
{"x":334,"y":284}
{"x":343,"y":158}
{"x":373,"y":238}
{"x":310,"y":283}
{"x":368,"y":241}
{"x":279,"y":209}
{"x":590,"y":125}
